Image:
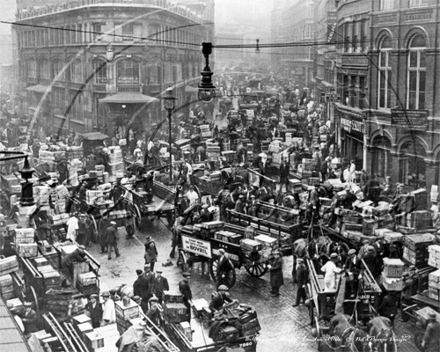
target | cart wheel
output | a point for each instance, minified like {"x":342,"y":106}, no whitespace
{"x":95,"y":226}
{"x":183,"y":261}
{"x":257,"y":269}
{"x":230,"y":278}
{"x":34,"y":298}
{"x":136,"y":211}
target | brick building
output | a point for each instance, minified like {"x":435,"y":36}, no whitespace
{"x":101,"y":65}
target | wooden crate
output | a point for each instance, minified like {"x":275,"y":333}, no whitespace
{"x":127,"y":312}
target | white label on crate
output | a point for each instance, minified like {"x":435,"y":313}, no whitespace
{"x":28,"y":232}
{"x":231,"y":256}
{"x":197,"y":246}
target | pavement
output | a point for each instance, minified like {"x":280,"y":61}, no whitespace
{"x":283,"y":328}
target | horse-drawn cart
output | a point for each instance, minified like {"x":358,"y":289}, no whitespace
{"x":324,"y":304}
{"x":202,"y":243}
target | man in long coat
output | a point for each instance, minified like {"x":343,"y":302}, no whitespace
{"x":150,"y":252}
{"x":160,"y":285}
{"x":276,"y":273}
{"x":223,"y":267}
{"x":111,"y":238}
{"x":141,"y":289}
{"x":302,"y":276}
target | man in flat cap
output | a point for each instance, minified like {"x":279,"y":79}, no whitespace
{"x":431,"y":337}
{"x":160,"y":285}
{"x":154,"y":311}
{"x":29,"y":319}
{"x":77,"y":256}
{"x":141,"y":289}
{"x":94,"y":310}
{"x":112,"y":238}
{"x":302,"y":275}
{"x":331,"y":270}
{"x":224,"y":265}
{"x":185,"y":290}
{"x":109,"y":313}
{"x":352,"y":268}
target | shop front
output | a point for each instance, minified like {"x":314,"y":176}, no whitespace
{"x":351,"y":131}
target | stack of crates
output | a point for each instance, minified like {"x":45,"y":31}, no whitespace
{"x":415,"y":250}
{"x":250,"y":246}
{"x":434,"y":256}
{"x":434,"y":285}
{"x":205,"y":131}
{"x":419,"y":219}
{"x":125,"y":311}
{"x":210,"y":228}
{"x":213,"y":152}
{"x":268,"y":243}
{"x":228,"y":236}
{"x":392,"y":274}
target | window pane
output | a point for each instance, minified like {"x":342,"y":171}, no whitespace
{"x":421,"y":100}
{"x":422,"y":58}
{"x":412,"y":100}
{"x":413,"y":58}
{"x":422,"y":82}
{"x":413,"y":80}
{"x":390,"y":92}
{"x":382,"y":98}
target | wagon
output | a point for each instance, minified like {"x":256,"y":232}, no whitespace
{"x":199,"y":244}
{"x":324,"y":305}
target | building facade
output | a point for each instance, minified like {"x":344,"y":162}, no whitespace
{"x":99,"y":65}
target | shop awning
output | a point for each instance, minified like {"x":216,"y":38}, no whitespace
{"x":94,"y":136}
{"x":39,"y":88}
{"x":128,"y":98}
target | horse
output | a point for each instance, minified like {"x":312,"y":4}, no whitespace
{"x":347,"y":337}
{"x":384,"y":339}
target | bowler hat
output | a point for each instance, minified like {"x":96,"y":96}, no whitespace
{"x":139,"y":272}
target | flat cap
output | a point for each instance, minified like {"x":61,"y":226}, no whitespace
{"x":28,"y":304}
{"x":223,"y":288}
{"x":333,"y":255}
{"x":105,"y":294}
{"x":351,"y":251}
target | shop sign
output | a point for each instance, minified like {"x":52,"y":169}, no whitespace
{"x":414,"y":119}
{"x":196,"y":246}
{"x":352,"y":125}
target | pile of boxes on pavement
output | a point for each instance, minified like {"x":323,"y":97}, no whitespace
{"x":392,"y":274}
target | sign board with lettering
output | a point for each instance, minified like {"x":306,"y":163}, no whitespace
{"x":352,"y":125}
{"x":197,"y":246}
{"x":332,"y":97}
{"x":414,"y":119}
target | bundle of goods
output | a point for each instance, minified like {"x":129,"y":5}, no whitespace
{"x":213,"y":152}
{"x":175,"y":312}
{"x":390,"y":236}
{"x":93,"y":196}
{"x":250,"y":246}
{"x":8,"y":265}
{"x":11,"y":184}
{"x":268,"y":243}
{"x":119,"y":214}
{"x":227,"y":236}
{"x":205,"y":131}
{"x":74,"y":152}
{"x":58,"y":219}
{"x":126,"y":309}
{"x":434,"y":285}
{"x":57,"y":302}
{"x":420,"y":219}
{"x":208,"y":229}
{"x":392,"y":274}
{"x":183,"y":144}
{"x":6,"y":287}
{"x":24,"y":235}
{"x":87,"y":283}
{"x":434,"y":256}
{"x":415,"y":250}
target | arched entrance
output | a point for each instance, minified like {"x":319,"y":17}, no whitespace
{"x":381,"y":156}
{"x":412,"y":165}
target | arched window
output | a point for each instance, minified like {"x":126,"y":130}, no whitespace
{"x":76,"y":74}
{"x":128,"y":72}
{"x":416,"y":84}
{"x":381,"y":153}
{"x":412,"y":165}
{"x":384,"y":79}
{"x":57,"y":67}
{"x":100,"y":71}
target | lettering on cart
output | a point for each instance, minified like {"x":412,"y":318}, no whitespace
{"x":197,"y":246}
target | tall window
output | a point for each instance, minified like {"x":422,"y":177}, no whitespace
{"x":100,"y":71}
{"x":168,"y":71}
{"x":128,"y":72}
{"x":57,"y":67}
{"x":96,"y":31}
{"x":76,"y":74}
{"x":32,"y":68}
{"x":127,"y":31}
{"x":386,"y":5}
{"x":384,"y":79}
{"x":44,"y":69}
{"x":416,"y":85}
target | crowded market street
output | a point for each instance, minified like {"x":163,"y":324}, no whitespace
{"x":169,"y":183}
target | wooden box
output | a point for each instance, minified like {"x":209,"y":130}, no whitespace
{"x":185,"y":328}
{"x":27,"y":250}
{"x":267,"y":241}
{"x":81,"y":319}
{"x":127,"y":312}
{"x":94,"y":340}
{"x":173,"y":296}
{"x":250,"y":245}
{"x":87,"y":279}
{"x":369,"y":226}
{"x":84,"y":329}
{"x":198,"y":305}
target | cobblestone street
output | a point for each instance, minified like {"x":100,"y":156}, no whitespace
{"x":284,"y":328}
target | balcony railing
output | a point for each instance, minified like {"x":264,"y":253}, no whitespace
{"x":71,"y":5}
{"x":130,"y":88}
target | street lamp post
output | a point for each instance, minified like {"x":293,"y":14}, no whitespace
{"x":169,"y":105}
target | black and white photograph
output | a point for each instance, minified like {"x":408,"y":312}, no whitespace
{"x":219,"y":175}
